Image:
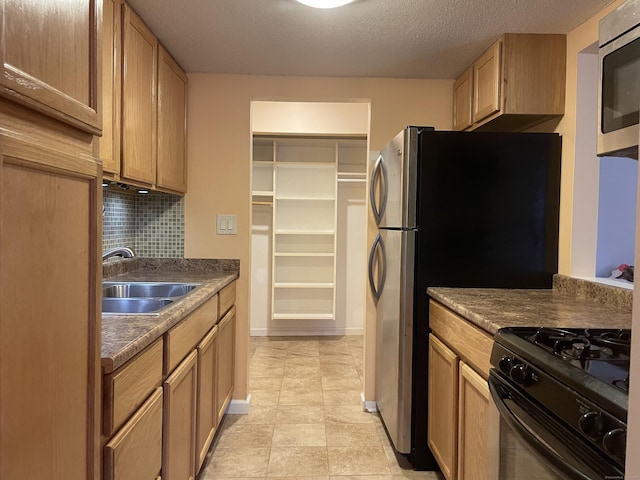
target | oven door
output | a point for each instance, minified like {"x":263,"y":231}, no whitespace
{"x":534,"y":445}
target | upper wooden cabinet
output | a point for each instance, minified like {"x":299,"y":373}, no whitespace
{"x":109,"y":143}
{"x":172,"y":125}
{"x":517,"y":83}
{"x":144,"y":99}
{"x":47,"y":52}
{"x":139,"y":99}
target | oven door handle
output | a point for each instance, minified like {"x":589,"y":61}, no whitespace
{"x":527,"y":428}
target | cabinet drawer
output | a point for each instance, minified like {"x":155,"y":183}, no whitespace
{"x":135,"y":452}
{"x":126,"y":388}
{"x":227,"y":298}
{"x":184,"y":337}
{"x":472,"y":344}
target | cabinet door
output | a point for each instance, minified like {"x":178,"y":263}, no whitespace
{"x":49,"y":313}
{"x":486,"y":83}
{"x":48,"y":53}
{"x":462,"y":100}
{"x":109,"y":143}
{"x":226,"y":360}
{"x":207,"y":411}
{"x":135,"y":452}
{"x":472,"y":425}
{"x":172,"y":124}
{"x":139,"y":106}
{"x":443,"y":406}
{"x":179,"y":440}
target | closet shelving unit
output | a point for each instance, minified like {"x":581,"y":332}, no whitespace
{"x":299,"y":177}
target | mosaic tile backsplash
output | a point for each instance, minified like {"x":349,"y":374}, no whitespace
{"x":152,"y":225}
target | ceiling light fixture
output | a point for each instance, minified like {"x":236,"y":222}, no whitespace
{"x":325,"y":3}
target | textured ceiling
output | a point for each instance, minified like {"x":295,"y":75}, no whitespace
{"x":368,"y":38}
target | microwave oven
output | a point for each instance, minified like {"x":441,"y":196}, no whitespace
{"x":619,"y":81}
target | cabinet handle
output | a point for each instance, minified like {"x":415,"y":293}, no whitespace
{"x":379,"y":168}
{"x":372,"y":256}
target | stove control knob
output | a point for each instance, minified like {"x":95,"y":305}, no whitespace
{"x":505,"y":363}
{"x":521,"y":374}
{"x":615,"y":442}
{"x":593,"y":424}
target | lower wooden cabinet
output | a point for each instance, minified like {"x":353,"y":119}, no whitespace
{"x":443,"y":402}
{"x":473,"y":412}
{"x":459,"y":398}
{"x":179,"y":426}
{"x":226,"y":356}
{"x":135,"y":452}
{"x":207,"y":411}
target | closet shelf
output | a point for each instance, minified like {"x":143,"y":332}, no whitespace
{"x":303,"y":316}
{"x":304,"y":254}
{"x":320,"y":285}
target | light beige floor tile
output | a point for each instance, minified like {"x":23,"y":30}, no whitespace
{"x":414,"y":475}
{"x":266,"y":350}
{"x":258,"y":414}
{"x":347,"y":414}
{"x":354,"y":339}
{"x":261,"y":371}
{"x":313,"y":382}
{"x":301,"y":371}
{"x":238,"y":462}
{"x":335,"y":348}
{"x":299,"y":435}
{"x":331,"y":359}
{"x":341,"y":383}
{"x":361,"y":460}
{"x":339,"y":370}
{"x":300,"y":396}
{"x":300,"y":414}
{"x":350,"y":435}
{"x":245,"y":435}
{"x":265,"y":383}
{"x":267,"y":363}
{"x":298,"y":461}
{"x":264,"y":397}
{"x":302,"y":361}
{"x":361,"y":477}
{"x":342,"y":397}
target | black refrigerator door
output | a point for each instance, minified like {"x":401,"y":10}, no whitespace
{"x":488,"y":209}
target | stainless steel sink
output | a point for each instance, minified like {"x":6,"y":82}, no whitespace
{"x":134,"y":306}
{"x":141,"y":298}
{"x":145,"y":289}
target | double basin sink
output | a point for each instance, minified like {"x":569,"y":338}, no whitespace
{"x":141,"y":298}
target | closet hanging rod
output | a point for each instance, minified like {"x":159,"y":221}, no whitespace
{"x":263,"y":203}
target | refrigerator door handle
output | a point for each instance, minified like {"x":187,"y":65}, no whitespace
{"x":379,"y":168}
{"x":372,"y":257}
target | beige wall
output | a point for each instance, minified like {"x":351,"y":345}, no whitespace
{"x":579,"y":39}
{"x":219,"y":160}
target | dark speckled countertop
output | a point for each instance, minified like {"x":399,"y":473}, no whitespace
{"x":123,"y":336}
{"x":572,"y":303}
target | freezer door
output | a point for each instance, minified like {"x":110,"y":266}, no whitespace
{"x":394,"y":336}
{"x":394,"y":181}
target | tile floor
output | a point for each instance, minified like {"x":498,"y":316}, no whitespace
{"x":306,"y":419}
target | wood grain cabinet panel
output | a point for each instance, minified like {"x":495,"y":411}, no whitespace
{"x":227,"y":298}
{"x":128,"y":387}
{"x":49,"y":312}
{"x":139,"y":99}
{"x":462,"y":100}
{"x":180,"y":396}
{"x":443,"y":406}
{"x":473,"y":412}
{"x":486,"y":83}
{"x":226,"y":360}
{"x":135,"y":452}
{"x":48,"y":53}
{"x":207,"y":412}
{"x":109,"y":143}
{"x":184,"y":337}
{"x":172,"y":125}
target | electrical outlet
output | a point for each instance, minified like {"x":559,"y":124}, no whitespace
{"x":226,"y":224}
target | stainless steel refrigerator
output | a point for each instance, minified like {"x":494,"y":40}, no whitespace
{"x":458,"y":209}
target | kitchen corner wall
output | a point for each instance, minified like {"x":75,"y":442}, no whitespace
{"x":152,"y":225}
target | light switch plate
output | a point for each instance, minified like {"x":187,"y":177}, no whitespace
{"x":226,"y":224}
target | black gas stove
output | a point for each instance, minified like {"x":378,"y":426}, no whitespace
{"x":578,"y":379}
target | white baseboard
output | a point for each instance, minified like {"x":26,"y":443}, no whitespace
{"x":239,"y":407}
{"x":368,"y":405}
{"x":304,"y":331}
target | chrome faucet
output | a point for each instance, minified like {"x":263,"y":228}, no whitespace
{"x":124,"y":252}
